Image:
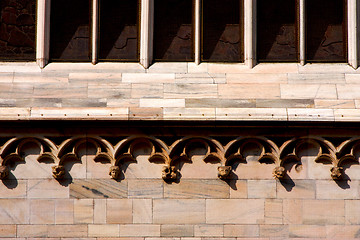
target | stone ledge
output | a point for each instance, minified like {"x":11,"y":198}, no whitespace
{"x":182,"y":114}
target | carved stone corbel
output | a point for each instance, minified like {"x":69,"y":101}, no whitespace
{"x":169,"y":173}
{"x":4,"y":172}
{"x":58,"y":172}
{"x":224,"y":172}
{"x":337,"y":173}
{"x":279,"y":172}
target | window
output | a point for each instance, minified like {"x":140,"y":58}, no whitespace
{"x":180,"y":30}
{"x":222,"y":31}
{"x":277,"y":26}
{"x":119,"y":30}
{"x":173,"y":30}
{"x":17,"y":30}
{"x":70,"y":30}
{"x":326,"y":31}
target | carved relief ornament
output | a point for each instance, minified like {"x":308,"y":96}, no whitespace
{"x":181,"y":150}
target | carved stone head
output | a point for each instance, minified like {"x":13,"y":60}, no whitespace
{"x":279,"y":172}
{"x":4,"y":172}
{"x":58,"y":172}
{"x":114,"y":172}
{"x":337,"y":173}
{"x":169,"y":173}
{"x":224,"y":172}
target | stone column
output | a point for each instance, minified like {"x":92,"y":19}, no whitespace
{"x":95,"y":31}
{"x":352,"y":33}
{"x":250,"y":32}
{"x":302,"y":41}
{"x":43,"y":32}
{"x":146,"y":32}
{"x":197,"y":38}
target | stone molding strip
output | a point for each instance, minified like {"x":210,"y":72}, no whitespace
{"x":183,"y":114}
{"x":179,"y":151}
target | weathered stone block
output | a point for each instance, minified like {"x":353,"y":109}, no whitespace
{"x":238,"y":189}
{"x":261,"y":189}
{"x":108,"y":230}
{"x":307,"y":231}
{"x":241,"y":231}
{"x":274,"y":231}
{"x":145,"y":188}
{"x":234,"y":211}
{"x":208,"y":230}
{"x":7,"y":230}
{"x":118,"y":211}
{"x":197,"y":189}
{"x":39,"y":231}
{"x":142,"y":211}
{"x":321,"y":212}
{"x":179,"y":211}
{"x":14,"y":211}
{"x":83,"y":211}
{"x":64,"y":211}
{"x":72,"y":231}
{"x":140,"y":230}
{"x":100,"y":211}
{"x":296,"y":189}
{"x":42,"y":211}
{"x":177,"y":230}
{"x":352,"y":210}
{"x":98,"y":188}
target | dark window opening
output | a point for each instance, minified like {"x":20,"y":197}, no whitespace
{"x":277,"y":31}
{"x":119,"y":30}
{"x":70,"y":30}
{"x":326,"y":31}
{"x":173,"y":30}
{"x":17,"y":30}
{"x":222,"y":31}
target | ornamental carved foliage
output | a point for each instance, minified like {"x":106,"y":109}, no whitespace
{"x":225,"y":156}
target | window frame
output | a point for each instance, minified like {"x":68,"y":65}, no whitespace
{"x":249,"y":32}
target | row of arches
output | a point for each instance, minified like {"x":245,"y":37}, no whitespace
{"x":172,"y":156}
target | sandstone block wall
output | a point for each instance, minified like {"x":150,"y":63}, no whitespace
{"x":140,"y":205}
{"x":180,"y":91}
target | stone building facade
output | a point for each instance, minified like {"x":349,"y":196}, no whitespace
{"x":213,"y":126}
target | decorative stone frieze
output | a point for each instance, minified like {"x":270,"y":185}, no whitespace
{"x":173,"y":156}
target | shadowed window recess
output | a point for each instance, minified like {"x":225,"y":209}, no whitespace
{"x":222,"y":32}
{"x":17,"y":30}
{"x":277,"y":30}
{"x":326,"y":31}
{"x":119,"y":30}
{"x":70,"y":30}
{"x":173,"y":31}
